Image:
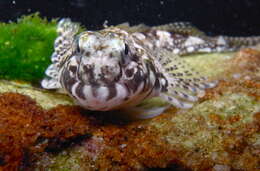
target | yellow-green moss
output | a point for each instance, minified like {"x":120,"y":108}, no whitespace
{"x":26,"y":46}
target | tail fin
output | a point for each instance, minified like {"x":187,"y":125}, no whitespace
{"x":241,"y":42}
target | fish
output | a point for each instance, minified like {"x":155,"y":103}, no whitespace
{"x":118,"y":67}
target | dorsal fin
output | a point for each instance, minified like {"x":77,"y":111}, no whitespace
{"x":183,"y":28}
{"x":132,"y":29}
{"x":240,"y":42}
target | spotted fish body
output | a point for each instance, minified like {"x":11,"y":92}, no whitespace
{"x":118,"y":68}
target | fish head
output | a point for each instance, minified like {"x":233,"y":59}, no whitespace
{"x":105,"y":72}
{"x":101,"y":56}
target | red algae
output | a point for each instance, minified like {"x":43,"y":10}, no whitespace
{"x":24,"y":126}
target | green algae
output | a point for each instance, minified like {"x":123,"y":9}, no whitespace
{"x":26,"y":46}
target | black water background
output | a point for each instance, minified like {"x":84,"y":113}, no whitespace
{"x":229,"y":17}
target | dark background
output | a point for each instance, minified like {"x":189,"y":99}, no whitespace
{"x":230,"y":17}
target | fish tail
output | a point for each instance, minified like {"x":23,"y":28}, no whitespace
{"x":241,"y":42}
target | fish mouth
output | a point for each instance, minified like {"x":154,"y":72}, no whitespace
{"x":100,"y":97}
{"x":106,"y":97}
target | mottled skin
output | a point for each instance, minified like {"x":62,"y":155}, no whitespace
{"x":107,"y":70}
{"x":113,"y":68}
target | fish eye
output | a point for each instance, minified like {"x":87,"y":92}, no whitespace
{"x":125,"y":59}
{"x":126,"y":49}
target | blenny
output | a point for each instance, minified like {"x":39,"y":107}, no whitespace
{"x":118,"y":67}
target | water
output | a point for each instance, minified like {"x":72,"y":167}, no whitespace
{"x":228,"y":17}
